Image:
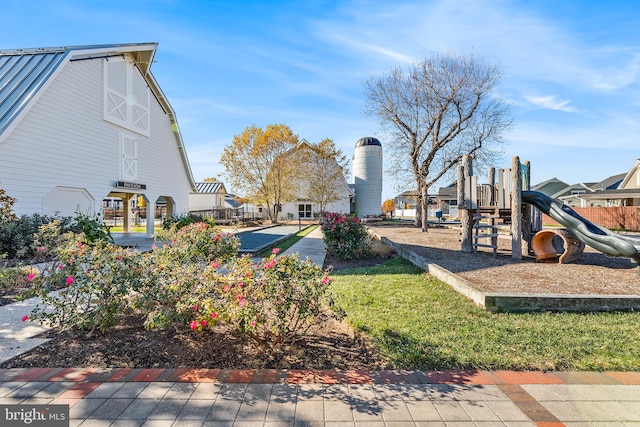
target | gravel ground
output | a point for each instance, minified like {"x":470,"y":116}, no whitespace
{"x":592,"y":273}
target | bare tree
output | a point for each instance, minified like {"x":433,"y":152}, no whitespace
{"x":434,"y":112}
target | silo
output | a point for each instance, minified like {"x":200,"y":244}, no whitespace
{"x":367,"y":176}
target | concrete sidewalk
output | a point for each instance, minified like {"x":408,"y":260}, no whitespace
{"x":310,"y":246}
{"x":16,"y":336}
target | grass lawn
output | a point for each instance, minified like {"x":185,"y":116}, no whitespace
{"x":286,"y":243}
{"x":419,"y":322}
{"x":132,"y":229}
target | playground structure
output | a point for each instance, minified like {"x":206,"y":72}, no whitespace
{"x":510,"y":201}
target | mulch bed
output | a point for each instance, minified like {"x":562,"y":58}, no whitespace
{"x":330,"y":344}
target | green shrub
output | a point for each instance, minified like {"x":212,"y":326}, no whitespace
{"x":177,"y":268}
{"x":94,"y":283}
{"x":196,"y":243}
{"x":18,"y":237}
{"x":345,"y":236}
{"x":180,"y":221}
{"x":6,"y":207}
{"x":191,"y":282}
{"x":92,"y":227}
{"x":14,"y":277}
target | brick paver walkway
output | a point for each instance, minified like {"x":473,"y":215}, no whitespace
{"x":219,"y":397}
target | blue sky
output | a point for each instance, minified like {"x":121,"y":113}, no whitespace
{"x":571,"y":67}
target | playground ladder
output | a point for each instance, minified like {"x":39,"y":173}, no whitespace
{"x":492,"y":231}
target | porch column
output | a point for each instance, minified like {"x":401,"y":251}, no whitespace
{"x":126,"y":213}
{"x":151,"y":217}
{"x":170,"y":207}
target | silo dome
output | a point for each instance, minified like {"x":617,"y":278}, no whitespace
{"x":368,"y":140}
{"x":367,"y":176}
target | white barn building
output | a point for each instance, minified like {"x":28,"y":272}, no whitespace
{"x":304,"y":207}
{"x":85,"y":123}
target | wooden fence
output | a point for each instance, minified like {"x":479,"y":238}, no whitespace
{"x":623,"y":217}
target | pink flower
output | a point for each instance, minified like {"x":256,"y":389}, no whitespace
{"x":253,"y":323}
{"x":227,"y":288}
{"x":270,"y":264}
{"x":31,"y":276}
{"x":60,"y":267}
{"x":194,"y":325}
{"x":25,"y":318}
{"x":203,"y":323}
{"x":69,"y":280}
{"x":41,"y":249}
{"x":325,"y":280}
{"x":217,"y":237}
{"x":242,"y":302}
{"x":154,"y":247}
{"x":239,"y":297}
{"x":275,"y":251}
{"x":247,"y":274}
{"x":215,"y":265}
{"x":79,"y":244}
{"x":195,"y":307}
{"x":214,"y":315}
{"x":241,"y":285}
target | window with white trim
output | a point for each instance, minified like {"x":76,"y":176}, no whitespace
{"x":304,"y":211}
{"x":126,"y":96}
{"x":128,"y":158}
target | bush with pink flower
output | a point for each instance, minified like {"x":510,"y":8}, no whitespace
{"x":195,"y":282}
{"x":92,"y":282}
{"x":345,"y":236}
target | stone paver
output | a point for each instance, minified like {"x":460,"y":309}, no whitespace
{"x":554,"y":400}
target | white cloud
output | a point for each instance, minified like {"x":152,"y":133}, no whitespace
{"x":550,"y":102}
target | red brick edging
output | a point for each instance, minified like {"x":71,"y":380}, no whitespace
{"x":272,"y":376}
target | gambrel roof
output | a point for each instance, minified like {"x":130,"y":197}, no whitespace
{"x":24,"y":73}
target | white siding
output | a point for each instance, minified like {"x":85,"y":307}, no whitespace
{"x":205,"y":201}
{"x":64,"y":141}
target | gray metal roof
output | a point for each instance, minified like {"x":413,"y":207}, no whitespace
{"x":208,"y":187}
{"x":24,"y":71}
{"x":21,"y":76}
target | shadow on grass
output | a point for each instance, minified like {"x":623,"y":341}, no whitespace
{"x":392,"y":266}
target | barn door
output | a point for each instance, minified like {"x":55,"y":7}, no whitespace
{"x":129,"y":158}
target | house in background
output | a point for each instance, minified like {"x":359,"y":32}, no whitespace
{"x":211,"y":200}
{"x":304,"y":206}
{"x":550,"y":187}
{"x":617,"y":190}
{"x":208,"y":196}
{"x":82,"y":124}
